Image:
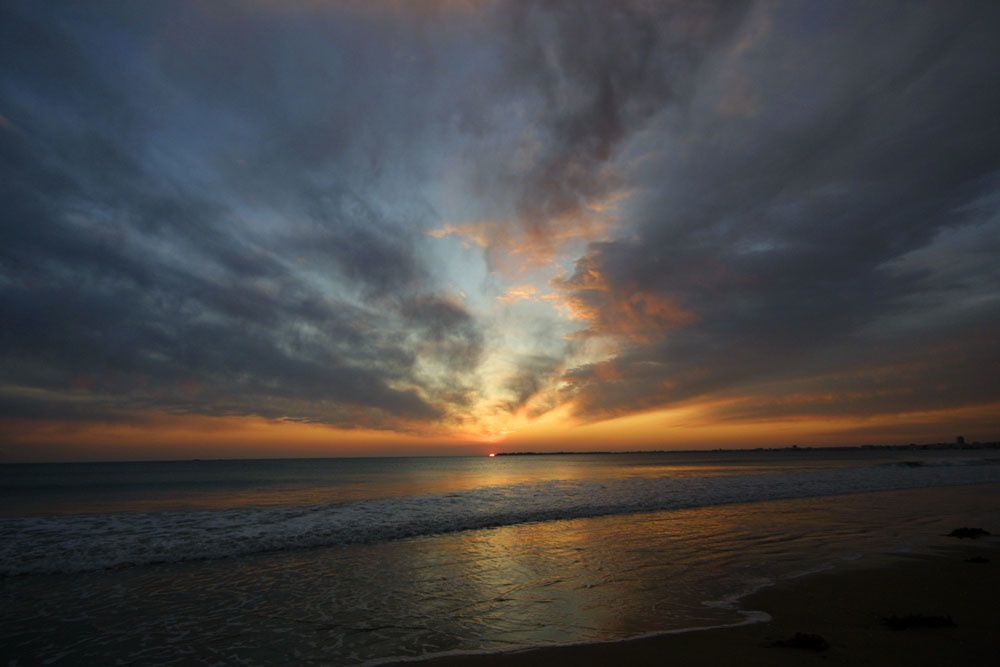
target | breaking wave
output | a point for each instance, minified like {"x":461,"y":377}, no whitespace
{"x":93,"y":542}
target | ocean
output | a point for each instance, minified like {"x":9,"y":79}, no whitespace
{"x":349,"y":561}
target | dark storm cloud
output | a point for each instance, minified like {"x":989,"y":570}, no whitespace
{"x":809,"y":224}
{"x":131,"y":281}
{"x":601,"y":69}
{"x":586,"y":75}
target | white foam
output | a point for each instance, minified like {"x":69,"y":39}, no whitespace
{"x":79,"y":543}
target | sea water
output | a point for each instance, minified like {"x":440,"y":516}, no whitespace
{"x":342,"y":561}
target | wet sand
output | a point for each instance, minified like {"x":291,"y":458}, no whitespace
{"x":845,"y":607}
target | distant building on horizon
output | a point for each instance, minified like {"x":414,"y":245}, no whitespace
{"x":960,"y":440}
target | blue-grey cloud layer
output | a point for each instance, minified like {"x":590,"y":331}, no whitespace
{"x":211,"y":213}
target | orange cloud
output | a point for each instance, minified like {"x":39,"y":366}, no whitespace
{"x":515,"y":245}
{"x":518,"y":293}
{"x":644,"y":316}
{"x":638,"y":315}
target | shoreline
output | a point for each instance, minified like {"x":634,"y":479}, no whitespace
{"x":509,"y":589}
{"x":846,"y":607}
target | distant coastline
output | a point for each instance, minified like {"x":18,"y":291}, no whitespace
{"x":912,"y":447}
{"x":934,"y":446}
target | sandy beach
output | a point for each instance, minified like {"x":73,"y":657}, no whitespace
{"x":847,"y":608}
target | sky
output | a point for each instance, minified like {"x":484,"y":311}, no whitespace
{"x":364,"y":227}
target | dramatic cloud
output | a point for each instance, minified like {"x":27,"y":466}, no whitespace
{"x":816,"y":241}
{"x":451,"y":218}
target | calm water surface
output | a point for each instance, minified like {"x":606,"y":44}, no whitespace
{"x":76,"y":488}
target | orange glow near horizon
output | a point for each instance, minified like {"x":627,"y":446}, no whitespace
{"x":695,"y":426}
{"x":165,"y":436}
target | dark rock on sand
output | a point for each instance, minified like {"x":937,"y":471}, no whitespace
{"x":977,"y":559}
{"x":803,"y":640}
{"x":917,"y":621}
{"x":968,"y":533}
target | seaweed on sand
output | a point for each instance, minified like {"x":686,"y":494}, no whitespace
{"x":968,"y":533}
{"x":909,"y":621}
